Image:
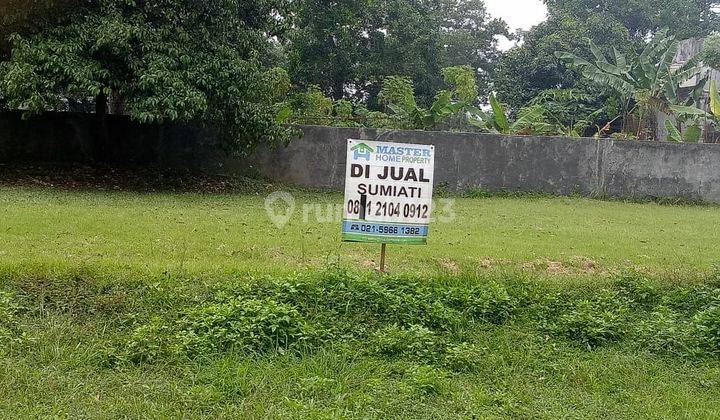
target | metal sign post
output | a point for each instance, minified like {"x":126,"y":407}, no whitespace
{"x":382,"y":258}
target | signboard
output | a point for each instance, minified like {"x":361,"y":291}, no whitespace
{"x":388,"y":192}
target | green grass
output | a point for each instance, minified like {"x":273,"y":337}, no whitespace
{"x":156,"y":233}
{"x":535,"y":290}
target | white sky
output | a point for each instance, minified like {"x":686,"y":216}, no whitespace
{"x":519,"y":14}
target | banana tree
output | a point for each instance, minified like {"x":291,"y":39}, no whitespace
{"x":714,"y":100}
{"x":646,"y":83}
{"x":531,"y":120}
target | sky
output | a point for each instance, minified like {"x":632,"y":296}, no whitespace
{"x":519,"y":14}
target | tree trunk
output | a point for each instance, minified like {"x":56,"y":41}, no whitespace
{"x":116,"y":104}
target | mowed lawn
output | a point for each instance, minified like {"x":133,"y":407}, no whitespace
{"x":154,"y":233}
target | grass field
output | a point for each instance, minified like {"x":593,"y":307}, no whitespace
{"x":199,"y":234}
{"x":118,"y":304}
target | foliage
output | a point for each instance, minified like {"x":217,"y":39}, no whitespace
{"x":157,"y":61}
{"x":10,"y":332}
{"x":245,"y":325}
{"x":22,"y":16}
{"x":591,"y":323}
{"x":711,"y":51}
{"x":349,"y":47}
{"x":399,"y":92}
{"x":642,"y":17}
{"x":242,"y":324}
{"x":416,"y":342}
{"x":666,"y":332}
{"x":311,"y":106}
{"x":530,"y":67}
{"x":462,"y":81}
{"x":707,"y":323}
{"x":531,"y":120}
{"x":646,"y":81}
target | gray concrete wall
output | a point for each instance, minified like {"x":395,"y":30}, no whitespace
{"x":547,"y":164}
{"x":464,"y":161}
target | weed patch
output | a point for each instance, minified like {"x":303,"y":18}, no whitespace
{"x":435,"y":322}
{"x":10,"y":332}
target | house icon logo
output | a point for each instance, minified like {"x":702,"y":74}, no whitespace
{"x":362,"y":151}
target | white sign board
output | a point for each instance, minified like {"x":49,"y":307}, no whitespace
{"x":388,"y":192}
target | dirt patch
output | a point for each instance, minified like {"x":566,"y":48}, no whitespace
{"x":368,"y":264}
{"x":556,"y":268}
{"x":584,"y":263}
{"x":577,"y":265}
{"x":449,"y":265}
{"x":492,"y":262}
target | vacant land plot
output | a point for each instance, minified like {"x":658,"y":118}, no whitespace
{"x":163,"y":305}
{"x":232,"y":233}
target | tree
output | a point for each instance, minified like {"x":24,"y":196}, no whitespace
{"x":20,"y":16}
{"x":530,"y":68}
{"x":347,"y":47}
{"x":642,"y":18}
{"x":645,"y":83}
{"x":167,"y":60}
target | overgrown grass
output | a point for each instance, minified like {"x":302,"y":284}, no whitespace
{"x":524,"y":308}
{"x":333,"y":343}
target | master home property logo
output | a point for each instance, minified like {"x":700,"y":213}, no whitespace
{"x":362,"y":150}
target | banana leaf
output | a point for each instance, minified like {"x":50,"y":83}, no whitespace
{"x":714,"y":99}
{"x":673,"y":132}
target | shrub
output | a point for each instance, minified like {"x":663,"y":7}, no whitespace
{"x":416,"y":342}
{"x":489,"y":302}
{"x":9,"y":330}
{"x":691,"y":298}
{"x":636,"y":288}
{"x":250,"y":325}
{"x":239,"y":324}
{"x":707,"y":326}
{"x":427,"y":381}
{"x":711,"y":51}
{"x":461,"y":357}
{"x":591,"y":324}
{"x":147,"y":344}
{"x":665,"y":331}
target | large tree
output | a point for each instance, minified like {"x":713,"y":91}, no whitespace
{"x":348,"y":46}
{"x":19,"y":16}
{"x":160,"y":60}
{"x":531,"y":67}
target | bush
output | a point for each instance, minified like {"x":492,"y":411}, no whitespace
{"x":400,"y":317}
{"x":707,"y":325}
{"x":9,"y":329}
{"x":665,"y":331}
{"x":637,"y":289}
{"x":249,"y":325}
{"x":489,"y":302}
{"x":244,"y":325}
{"x":462,"y":357}
{"x":711,"y":51}
{"x":416,"y":342}
{"x":591,"y":324}
{"x":691,"y":298}
{"x":427,"y":381}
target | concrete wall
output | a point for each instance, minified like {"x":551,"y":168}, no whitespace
{"x":70,"y":137}
{"x":548,"y":164}
{"x":464,"y":161}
